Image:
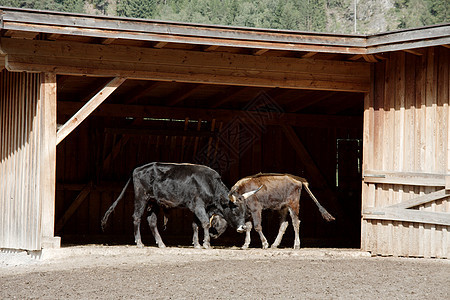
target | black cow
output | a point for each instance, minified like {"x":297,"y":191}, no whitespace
{"x":279,"y":192}
{"x":170,"y":185}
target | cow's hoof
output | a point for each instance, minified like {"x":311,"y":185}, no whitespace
{"x":244,"y":247}
{"x":161,"y":245}
{"x":198,"y":246}
{"x":296,"y":247}
{"x":206,"y":246}
{"x":265,"y":245}
{"x":274,"y":246}
{"x":140,"y":245}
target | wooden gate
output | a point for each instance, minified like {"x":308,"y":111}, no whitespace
{"x":405,"y":203}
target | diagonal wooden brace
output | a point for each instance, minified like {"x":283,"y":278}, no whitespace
{"x":88,"y":108}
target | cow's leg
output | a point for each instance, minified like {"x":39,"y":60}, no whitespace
{"x":248,"y":230}
{"x":195,"y":242}
{"x":258,"y":228}
{"x":153,"y":222}
{"x":202,"y":216}
{"x":139,"y":208}
{"x":283,"y":226}
{"x":296,"y":224}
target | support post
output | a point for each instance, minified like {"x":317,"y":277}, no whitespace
{"x":48,"y":160}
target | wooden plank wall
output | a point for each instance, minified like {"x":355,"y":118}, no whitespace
{"x":93,"y":154}
{"x":406,"y":131}
{"x":20,"y":122}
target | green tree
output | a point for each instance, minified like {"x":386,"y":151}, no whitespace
{"x":411,"y":13}
{"x":71,"y":5}
{"x":136,"y":8}
{"x":101,"y":5}
{"x":318,"y":18}
{"x":439,"y":10}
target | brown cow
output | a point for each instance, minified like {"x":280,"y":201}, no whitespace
{"x":279,"y":192}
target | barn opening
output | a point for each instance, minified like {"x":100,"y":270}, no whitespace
{"x":237,"y":130}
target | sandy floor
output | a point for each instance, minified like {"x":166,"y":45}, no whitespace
{"x":114,"y":272}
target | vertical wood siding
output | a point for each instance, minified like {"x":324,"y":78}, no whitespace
{"x":406,"y":126}
{"x":20,"y":123}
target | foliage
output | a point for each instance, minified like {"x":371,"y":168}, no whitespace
{"x":306,"y":15}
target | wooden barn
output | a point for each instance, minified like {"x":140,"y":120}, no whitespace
{"x":86,"y":99}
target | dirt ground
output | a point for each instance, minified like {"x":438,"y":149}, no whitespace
{"x":118,"y":272}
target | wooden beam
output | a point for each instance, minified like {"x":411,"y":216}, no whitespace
{"x":211,"y":48}
{"x":47,"y":157}
{"x":112,"y":155}
{"x":227,"y":96}
{"x":260,"y":51}
{"x":180,"y":113}
{"x":185,"y":66}
{"x":355,"y":57}
{"x":404,"y":178}
{"x":160,"y":45}
{"x":155,"y":31}
{"x":73,"y":207}
{"x":314,"y":172}
{"x":304,"y":156}
{"x":408,"y":39}
{"x":418,"y":52}
{"x":147,"y":132}
{"x":182,"y":94}
{"x":421,"y":200}
{"x":407,"y":215}
{"x":53,"y":36}
{"x":93,"y":88}
{"x":88,"y":108}
{"x":308,"y":55}
{"x":303,"y":103}
{"x":20,"y":34}
{"x":143,"y":92}
{"x":369,"y":58}
{"x":108,"y":41}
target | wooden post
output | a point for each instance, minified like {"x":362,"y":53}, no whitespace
{"x":447,"y":178}
{"x":48,"y":160}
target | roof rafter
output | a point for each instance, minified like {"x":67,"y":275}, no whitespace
{"x":182,"y":94}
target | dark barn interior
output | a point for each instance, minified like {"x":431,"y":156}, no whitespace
{"x":237,"y":130}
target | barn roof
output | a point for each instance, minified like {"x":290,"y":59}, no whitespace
{"x":48,"y":25}
{"x":327,"y":54}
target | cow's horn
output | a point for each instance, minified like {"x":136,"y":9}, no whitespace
{"x":248,"y":194}
{"x":233,"y":199}
{"x":210,"y":219}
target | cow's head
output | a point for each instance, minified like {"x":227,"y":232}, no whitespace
{"x":234,"y":213}
{"x":237,"y":208}
{"x":218,"y":226}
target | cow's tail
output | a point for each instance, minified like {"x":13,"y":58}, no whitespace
{"x":110,"y":210}
{"x":326,"y":215}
